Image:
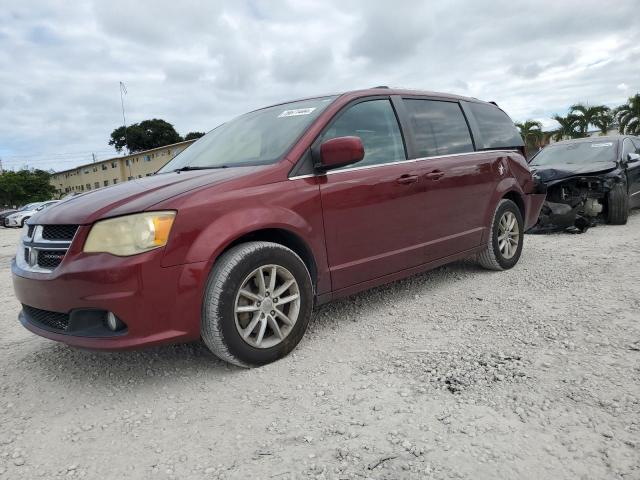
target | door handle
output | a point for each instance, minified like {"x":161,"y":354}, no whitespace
{"x":435,"y":175}
{"x":407,"y":179}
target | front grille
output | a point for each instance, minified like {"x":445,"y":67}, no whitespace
{"x":51,"y":320}
{"x":58,"y":232}
{"x":45,"y":246}
{"x":50,"y":259}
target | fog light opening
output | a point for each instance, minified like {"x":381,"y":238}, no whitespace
{"x":114,"y":323}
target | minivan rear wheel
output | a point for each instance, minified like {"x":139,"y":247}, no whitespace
{"x":506,"y":238}
{"x":257,"y":304}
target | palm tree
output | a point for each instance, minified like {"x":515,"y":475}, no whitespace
{"x":531,"y":133}
{"x":567,"y":128}
{"x":628,"y":116}
{"x":604,"y":122}
{"x":586,"y":115}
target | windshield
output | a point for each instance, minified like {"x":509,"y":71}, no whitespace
{"x":29,"y":206}
{"x":257,"y":138}
{"x":576,"y":153}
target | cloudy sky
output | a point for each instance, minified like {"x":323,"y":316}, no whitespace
{"x":197,"y":63}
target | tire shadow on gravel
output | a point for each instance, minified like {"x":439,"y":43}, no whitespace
{"x":398,"y":292}
{"x":73,"y":366}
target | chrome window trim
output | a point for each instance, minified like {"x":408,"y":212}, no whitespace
{"x":412,"y":160}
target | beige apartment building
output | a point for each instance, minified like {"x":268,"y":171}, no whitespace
{"x":115,"y":170}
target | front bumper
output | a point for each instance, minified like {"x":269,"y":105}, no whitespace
{"x":157,"y":304}
{"x":12,"y":222}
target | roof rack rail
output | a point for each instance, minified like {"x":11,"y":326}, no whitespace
{"x":381,"y":86}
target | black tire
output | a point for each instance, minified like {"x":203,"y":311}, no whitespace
{"x":618,"y":205}
{"x":218,"y":325}
{"x":491,"y":257}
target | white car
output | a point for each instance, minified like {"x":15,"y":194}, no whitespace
{"x":20,"y":217}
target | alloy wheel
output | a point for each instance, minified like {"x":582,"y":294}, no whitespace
{"x":267,"y":306}
{"x":508,"y":235}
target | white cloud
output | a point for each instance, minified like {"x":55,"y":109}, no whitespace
{"x":197,"y":63}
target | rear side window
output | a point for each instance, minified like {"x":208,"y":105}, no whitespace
{"x":375,"y":123}
{"x":439,"y":127}
{"x":496,"y":128}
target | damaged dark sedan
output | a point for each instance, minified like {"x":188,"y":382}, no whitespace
{"x":588,"y":180}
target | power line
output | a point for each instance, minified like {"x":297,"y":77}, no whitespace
{"x":61,"y":154}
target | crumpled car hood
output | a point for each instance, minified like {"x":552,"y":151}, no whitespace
{"x":548,"y":173}
{"x":132,"y":196}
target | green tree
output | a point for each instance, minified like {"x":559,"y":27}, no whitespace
{"x":587,"y":115}
{"x":193,"y":135}
{"x":25,"y":186}
{"x":628,"y":116}
{"x":531,"y":133}
{"x":568,"y":127}
{"x":145,"y":135}
{"x":604,"y":122}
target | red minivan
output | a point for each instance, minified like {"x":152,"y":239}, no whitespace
{"x":238,"y":237}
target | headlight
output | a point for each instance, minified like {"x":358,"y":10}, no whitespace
{"x":131,"y":234}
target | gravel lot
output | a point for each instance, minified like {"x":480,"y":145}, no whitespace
{"x":457,"y":373}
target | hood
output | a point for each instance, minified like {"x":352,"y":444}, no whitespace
{"x":547,"y":173}
{"x":132,"y":196}
{"x":22,"y":213}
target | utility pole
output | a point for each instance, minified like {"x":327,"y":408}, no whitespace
{"x":93,"y":155}
{"x":123,"y":91}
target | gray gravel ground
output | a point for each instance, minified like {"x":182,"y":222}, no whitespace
{"x":457,"y":373}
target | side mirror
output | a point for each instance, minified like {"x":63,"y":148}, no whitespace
{"x":339,"y":152}
{"x":633,"y":158}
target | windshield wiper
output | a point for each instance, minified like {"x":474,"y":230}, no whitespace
{"x":189,"y":168}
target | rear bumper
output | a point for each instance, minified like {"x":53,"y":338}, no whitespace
{"x":533,"y":204}
{"x":157,"y":304}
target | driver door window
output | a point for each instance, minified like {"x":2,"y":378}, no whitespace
{"x":375,"y":123}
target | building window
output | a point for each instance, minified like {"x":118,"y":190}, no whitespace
{"x":114,"y":164}
{"x":106,"y":182}
{"x":129,"y":178}
{"x":96,"y":185}
{"x":95,"y":169}
{"x":139,"y":176}
{"x":147,"y":158}
{"x":115,"y":180}
{"x":126,"y":162}
{"x":104,"y":166}
{"x":88,"y":186}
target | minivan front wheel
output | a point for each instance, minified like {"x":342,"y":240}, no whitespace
{"x":504,"y":246}
{"x":257,"y":304}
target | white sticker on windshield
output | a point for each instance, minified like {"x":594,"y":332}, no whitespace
{"x":296,"y":112}
{"x":596,"y":145}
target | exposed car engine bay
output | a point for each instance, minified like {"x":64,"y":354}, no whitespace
{"x":575,"y":203}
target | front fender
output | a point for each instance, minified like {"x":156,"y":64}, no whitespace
{"x":208,"y":222}
{"x":224,"y":230}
